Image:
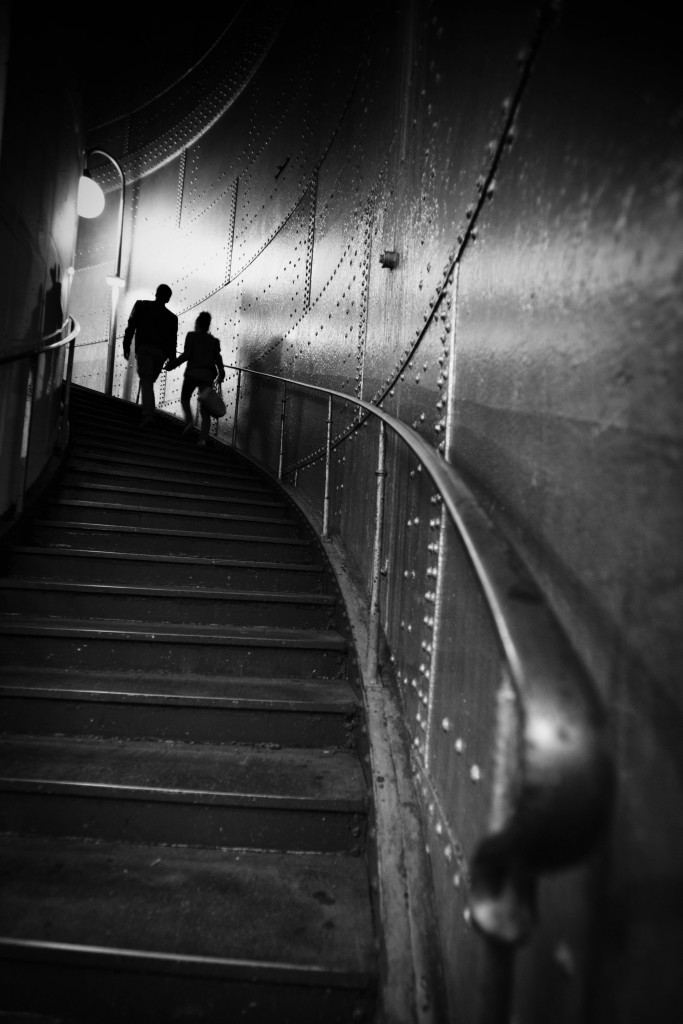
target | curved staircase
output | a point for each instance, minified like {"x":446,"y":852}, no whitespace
{"x":183,"y":805}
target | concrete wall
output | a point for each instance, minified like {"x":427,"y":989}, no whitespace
{"x":525,"y":164}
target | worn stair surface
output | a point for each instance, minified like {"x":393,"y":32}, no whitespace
{"x":183,"y":807}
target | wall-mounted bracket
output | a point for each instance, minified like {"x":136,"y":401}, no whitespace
{"x":389,"y":259}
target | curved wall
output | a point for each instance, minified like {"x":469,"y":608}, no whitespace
{"x":41,"y":138}
{"x":525,"y":164}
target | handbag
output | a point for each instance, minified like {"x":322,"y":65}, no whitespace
{"x":211,"y":398}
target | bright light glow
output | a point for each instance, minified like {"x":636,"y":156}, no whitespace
{"x":90,"y":202}
{"x":116,"y":282}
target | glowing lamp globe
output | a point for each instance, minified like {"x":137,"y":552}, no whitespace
{"x":90,"y":201}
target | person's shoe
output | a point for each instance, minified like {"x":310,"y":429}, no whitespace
{"x":201,"y":443}
{"x":146,"y":420}
{"x":188,"y":429}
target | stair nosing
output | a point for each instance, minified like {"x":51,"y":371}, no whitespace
{"x":168,"y":593}
{"x":342,"y":706}
{"x":120,"y":630}
{"x":188,"y":963}
{"x":180,"y":795}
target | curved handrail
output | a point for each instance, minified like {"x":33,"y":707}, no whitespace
{"x":558,"y":806}
{"x":33,"y":355}
{"x":42,"y":347}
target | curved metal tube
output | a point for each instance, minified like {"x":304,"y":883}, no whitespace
{"x":562,"y":780}
{"x":115,"y":282}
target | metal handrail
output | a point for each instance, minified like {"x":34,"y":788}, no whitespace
{"x":554,"y":813}
{"x":43,"y":347}
{"x":33,"y":355}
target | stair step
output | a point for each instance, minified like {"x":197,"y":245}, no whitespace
{"x":163,"y":933}
{"x":160,"y":479}
{"x":170,"y":605}
{"x":158,"y":570}
{"x":183,"y":804}
{"x":203,"y":649}
{"x":277,"y":711}
{"x":208,"y":795}
{"x":185,"y":457}
{"x":113,"y":514}
{"x":180,"y":500}
{"x":105,"y":436}
{"x":168,"y":467}
{"x":144,"y":539}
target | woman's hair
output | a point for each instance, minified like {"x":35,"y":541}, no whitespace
{"x":203,"y":321}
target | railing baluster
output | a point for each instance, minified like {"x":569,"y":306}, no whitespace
{"x":282,"y":432}
{"x":26,"y":433}
{"x":328,"y":452}
{"x":374,"y":617}
{"x":237,"y":408}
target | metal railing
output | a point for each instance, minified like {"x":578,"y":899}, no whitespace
{"x":35,"y":389}
{"x":549,"y":772}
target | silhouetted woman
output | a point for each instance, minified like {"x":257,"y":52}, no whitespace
{"x":202,"y":353}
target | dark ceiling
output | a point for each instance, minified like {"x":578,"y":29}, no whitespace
{"x":121,"y":56}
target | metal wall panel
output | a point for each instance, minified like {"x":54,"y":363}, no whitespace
{"x":524,"y":162}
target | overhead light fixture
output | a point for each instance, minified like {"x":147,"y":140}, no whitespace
{"x":90,"y":201}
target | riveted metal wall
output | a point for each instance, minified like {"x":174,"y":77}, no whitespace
{"x":524,"y":164}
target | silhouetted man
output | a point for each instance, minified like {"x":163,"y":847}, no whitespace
{"x":155,"y":329}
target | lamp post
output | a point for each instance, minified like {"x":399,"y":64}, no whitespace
{"x":91,"y":204}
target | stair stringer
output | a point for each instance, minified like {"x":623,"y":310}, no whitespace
{"x":411,"y":968}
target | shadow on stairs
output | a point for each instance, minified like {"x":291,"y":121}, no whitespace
{"x":183,"y":806}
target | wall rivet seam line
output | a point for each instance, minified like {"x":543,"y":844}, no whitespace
{"x":310,"y":240}
{"x":452,"y":848}
{"x":181,"y":188}
{"x":231,"y":229}
{"x":437,"y":626}
{"x":444,"y":445}
{"x":253,"y":158}
{"x":485,"y":189}
{"x":166,"y":147}
{"x":225,"y":91}
{"x":364,"y":296}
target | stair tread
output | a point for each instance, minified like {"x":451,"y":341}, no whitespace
{"x":107,"y":528}
{"x":12,"y":622}
{"x":190,"y":772}
{"x":115,"y":506}
{"x":132,"y":456}
{"x":268,"y":694}
{"x":33,"y":549}
{"x":196,"y":498}
{"x":307,"y":911}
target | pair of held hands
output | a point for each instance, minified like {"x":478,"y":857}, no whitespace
{"x":171,"y":364}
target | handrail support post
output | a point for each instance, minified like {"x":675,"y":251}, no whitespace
{"x":237,"y":408}
{"x":374,"y":616}
{"x":283,"y":413}
{"x":328,"y":454}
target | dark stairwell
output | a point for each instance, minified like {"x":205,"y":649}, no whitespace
{"x":183,"y":801}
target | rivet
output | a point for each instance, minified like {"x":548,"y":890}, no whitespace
{"x":446,"y":725}
{"x":459,"y":746}
{"x":475,"y":773}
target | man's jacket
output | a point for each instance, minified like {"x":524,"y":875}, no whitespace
{"x":152,"y":325}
